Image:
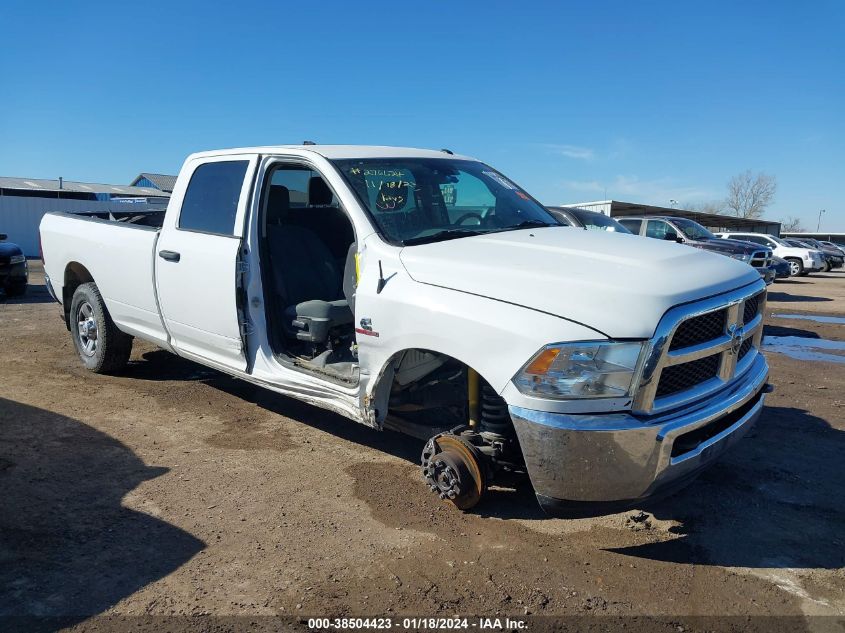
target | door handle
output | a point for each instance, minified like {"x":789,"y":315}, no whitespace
{"x":171,"y":256}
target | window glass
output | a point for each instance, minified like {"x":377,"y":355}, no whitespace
{"x":594,"y":221}
{"x":305,"y":186}
{"x":211,"y":200}
{"x":419,"y":200}
{"x":660,"y":230}
{"x":562,"y":217}
{"x":693,"y":230}
{"x":632,"y":225}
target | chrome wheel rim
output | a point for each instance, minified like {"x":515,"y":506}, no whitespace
{"x":86,"y":329}
{"x":794,"y":268}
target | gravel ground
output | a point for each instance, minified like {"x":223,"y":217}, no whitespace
{"x":175,"y":490}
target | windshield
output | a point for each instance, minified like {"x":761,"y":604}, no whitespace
{"x":420,"y":200}
{"x":594,"y":221}
{"x":693,"y":230}
{"x":799,"y":244}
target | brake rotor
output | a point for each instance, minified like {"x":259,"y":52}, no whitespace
{"x":454,"y":471}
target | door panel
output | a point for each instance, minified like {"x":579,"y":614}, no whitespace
{"x":197,"y":296}
{"x":196,"y":260}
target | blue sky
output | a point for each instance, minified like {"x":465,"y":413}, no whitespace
{"x":645,"y":101}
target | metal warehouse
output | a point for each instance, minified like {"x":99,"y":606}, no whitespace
{"x":713,"y":221}
{"x":24,"y":201}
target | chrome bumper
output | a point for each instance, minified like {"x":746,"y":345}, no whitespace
{"x":590,"y":464}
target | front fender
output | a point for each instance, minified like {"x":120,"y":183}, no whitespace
{"x":494,"y":338}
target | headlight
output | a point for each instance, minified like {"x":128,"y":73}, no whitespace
{"x":742,"y":258}
{"x":17,"y":259}
{"x":591,"y":369}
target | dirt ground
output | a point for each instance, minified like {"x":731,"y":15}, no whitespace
{"x":175,"y":490}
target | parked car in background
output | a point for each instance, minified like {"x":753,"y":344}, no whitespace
{"x":834,"y":246}
{"x":801,"y":260}
{"x":427,"y":293}
{"x":832,"y":256}
{"x":685,"y":231}
{"x":589,"y":220}
{"x":14,"y":271}
{"x":782,"y":268}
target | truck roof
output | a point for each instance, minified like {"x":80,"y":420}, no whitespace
{"x":337,"y":151}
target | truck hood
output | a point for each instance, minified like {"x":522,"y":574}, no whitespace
{"x":619,"y":285}
{"x":729,"y":247}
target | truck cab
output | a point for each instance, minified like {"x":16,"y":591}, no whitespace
{"x":426,"y":292}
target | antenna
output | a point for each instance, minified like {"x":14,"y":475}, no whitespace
{"x":308,"y":143}
{"x":447,"y":151}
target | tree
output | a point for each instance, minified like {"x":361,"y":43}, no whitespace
{"x":710,"y":206}
{"x":791,"y":224}
{"x":749,"y":194}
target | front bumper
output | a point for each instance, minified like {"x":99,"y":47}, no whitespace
{"x":600,"y":463}
{"x":768,"y":274}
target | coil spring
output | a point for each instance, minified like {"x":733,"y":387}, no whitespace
{"x":494,"y":412}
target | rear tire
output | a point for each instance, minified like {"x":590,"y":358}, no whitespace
{"x":102,"y":347}
{"x":796,"y":267}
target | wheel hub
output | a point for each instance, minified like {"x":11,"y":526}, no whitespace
{"x":87,"y":331}
{"x":444,"y":471}
{"x":453,"y":470}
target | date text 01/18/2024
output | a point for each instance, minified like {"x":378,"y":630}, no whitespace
{"x":412,"y":624}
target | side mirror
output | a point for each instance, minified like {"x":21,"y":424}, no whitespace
{"x":3,"y":236}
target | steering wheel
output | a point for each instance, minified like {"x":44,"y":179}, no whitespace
{"x":467,"y":216}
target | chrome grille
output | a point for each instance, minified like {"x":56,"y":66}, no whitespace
{"x":699,"y":330}
{"x":682,"y":377}
{"x":761,"y":259}
{"x":751,"y":307}
{"x":699,"y":348}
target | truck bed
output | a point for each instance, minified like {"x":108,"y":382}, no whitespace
{"x":145,"y":218}
{"x":118,"y":251}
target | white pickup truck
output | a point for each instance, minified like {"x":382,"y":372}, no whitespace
{"x":425,"y":292}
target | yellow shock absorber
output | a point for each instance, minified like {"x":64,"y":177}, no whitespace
{"x":472,"y":392}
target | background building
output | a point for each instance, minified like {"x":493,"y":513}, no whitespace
{"x":162,"y":182}
{"x":715,"y":222}
{"x":24,"y":201}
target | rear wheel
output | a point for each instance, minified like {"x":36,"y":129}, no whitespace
{"x":101,"y":346}
{"x":796,"y":268}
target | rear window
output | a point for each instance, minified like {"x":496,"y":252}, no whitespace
{"x":211,"y":200}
